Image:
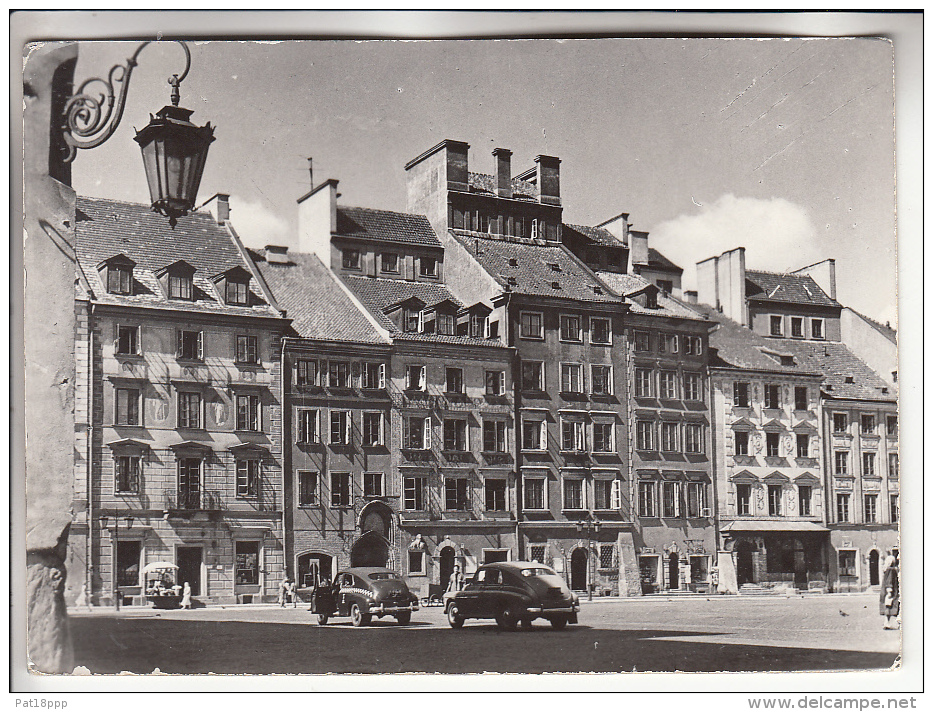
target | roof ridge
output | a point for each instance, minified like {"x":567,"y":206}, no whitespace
{"x":380,"y":210}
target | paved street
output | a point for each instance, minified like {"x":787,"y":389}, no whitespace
{"x":832,"y":632}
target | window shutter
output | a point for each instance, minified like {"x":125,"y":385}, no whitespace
{"x":116,"y":338}
{"x":421,"y":379}
{"x":542,"y":436}
{"x":179,"y":341}
{"x":348,"y":427}
{"x":616,"y":495}
{"x":382,"y":429}
{"x":382,"y":375}
{"x":200,"y":344}
{"x":427,"y":431}
{"x":405,"y":431}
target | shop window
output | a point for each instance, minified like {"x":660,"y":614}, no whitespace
{"x":128,"y":555}
{"x":247,"y":563}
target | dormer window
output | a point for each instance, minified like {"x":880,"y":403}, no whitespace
{"x":180,"y":286}
{"x":411,"y":320}
{"x":117,"y":274}
{"x":237,"y":293}
{"x":351,"y":258}
{"x":428,"y":266}
{"x":446,"y":324}
{"x":651,"y":299}
{"x":233,"y":285}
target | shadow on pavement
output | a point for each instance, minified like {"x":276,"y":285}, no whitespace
{"x":111,"y":645}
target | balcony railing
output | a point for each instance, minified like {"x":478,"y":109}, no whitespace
{"x":190,"y":501}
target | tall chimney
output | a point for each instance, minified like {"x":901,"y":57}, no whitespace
{"x":503,"y":172}
{"x":639,"y":247}
{"x":317,"y":220}
{"x":691,"y":296}
{"x":310,"y":173}
{"x":548,"y":179}
{"x":219,"y":207}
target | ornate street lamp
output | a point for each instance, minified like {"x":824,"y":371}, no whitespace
{"x":590,"y":526}
{"x":174,"y":150}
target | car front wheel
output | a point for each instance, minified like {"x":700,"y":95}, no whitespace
{"x":357,"y":617}
{"x":508,"y":618}
{"x":403,"y":618}
{"x":454,"y":617}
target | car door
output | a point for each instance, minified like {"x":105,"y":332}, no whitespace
{"x":468,"y":598}
{"x":490,"y":594}
{"x":344,"y":596}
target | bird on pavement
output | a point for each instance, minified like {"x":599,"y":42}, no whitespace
{"x":843,"y":614}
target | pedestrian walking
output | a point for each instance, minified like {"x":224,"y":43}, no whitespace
{"x":455,"y":583}
{"x":283,"y":591}
{"x":890,"y":603}
{"x":292,"y":592}
{"x":186,"y":596}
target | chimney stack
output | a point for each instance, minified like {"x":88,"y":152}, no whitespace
{"x":317,"y":220}
{"x":638,"y":246}
{"x":219,"y":207}
{"x":691,"y":296}
{"x":548,"y":179}
{"x":503,"y":172}
{"x":277,"y":254}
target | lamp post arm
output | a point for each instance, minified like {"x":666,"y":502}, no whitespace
{"x":90,"y":118}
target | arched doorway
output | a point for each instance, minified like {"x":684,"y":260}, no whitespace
{"x":371,"y":549}
{"x":376,"y":517}
{"x":314,"y":567}
{"x":673,"y":571}
{"x":874,"y":578}
{"x":744,"y":568}
{"x":447,"y":566}
{"x":578,"y":562}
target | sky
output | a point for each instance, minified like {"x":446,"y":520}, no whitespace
{"x":783,"y":146}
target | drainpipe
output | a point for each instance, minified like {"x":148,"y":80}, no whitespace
{"x":88,"y":476}
{"x":286,"y":462}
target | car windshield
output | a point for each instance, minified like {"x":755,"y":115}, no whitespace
{"x":540,"y":571}
{"x":383,"y":576}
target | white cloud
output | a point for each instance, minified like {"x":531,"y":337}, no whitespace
{"x":777,"y":235}
{"x":256,"y":225}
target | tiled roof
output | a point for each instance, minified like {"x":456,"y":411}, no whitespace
{"x":385,"y":226}
{"x":735,"y":346}
{"x":537,"y":267}
{"x":317,"y":305}
{"x":598,"y":235}
{"x":658,"y":261}
{"x":521,"y":189}
{"x":788,"y":288}
{"x":626,"y":284}
{"x":107,"y":228}
{"x":838,"y":366}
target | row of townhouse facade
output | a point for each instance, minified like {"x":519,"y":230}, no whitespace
{"x":473,"y":380}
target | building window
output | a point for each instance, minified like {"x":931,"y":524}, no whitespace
{"x":534,"y":435}
{"x":416,"y":434}
{"x":668,"y":343}
{"x":455,"y":435}
{"x":532,"y":375}
{"x":128,"y":562}
{"x":428,"y":266}
{"x":803,"y":445}
{"x":532,"y":325}
{"x":189,"y":410}
{"x":389,"y":262}
{"x":693,"y":385}
{"x":127,"y":406}
{"x":693,"y":346}
{"x":741,"y":442}
{"x":180,"y":287}
{"x":696,"y":500}
{"x":308,"y":426}
{"x":338,"y":374}
{"x":478,"y":326}
{"x":415,"y":378}
{"x":670,"y":499}
{"x":454,"y":381}
{"x":643,"y":383}
{"x":743,"y":499}
{"x":495,"y":383}
{"x":801,"y":401}
{"x":411,"y":321}
{"x":805,"y":497}
{"x":119,"y":280}
{"x":847,"y":563}
{"x":871,"y":509}
{"x":892,"y":500}
{"x":773,"y":444}
{"x":669,"y":437}
{"x":373,"y":429}
{"x":893,"y":465}
{"x":413,"y":493}
{"x":693,"y":438}
{"x":416,"y":563}
{"x":775,"y":495}
{"x":493,"y":436}
{"x":127,"y":343}
{"x":247,"y":413}
{"x":842,"y":462}
{"x":603,"y":437}
{"x":446,"y":324}
{"x":351,"y":258}
{"x":573,"y":494}
{"x":816,"y":328}
{"x":126,"y":474}
{"x":247,"y":349}
{"x":307,"y":489}
{"x":842,"y":507}
{"x":374,"y":376}
{"x":667,"y":385}
{"x":570,"y":328}
{"x":892,"y":426}
{"x":603,"y":493}
{"x":247,"y":563}
{"x":601,"y":380}
{"x":495,"y":495}
{"x":372,"y":484}
{"x":867,"y":424}
{"x":840,"y":422}
{"x":247,"y":478}
{"x":647,"y":499}
{"x":796,"y":327}
{"x":772,"y":397}
{"x":606,"y":556}
{"x":642,"y":341}
{"x":572,"y":436}
{"x":339,"y":489}
{"x":306,"y":373}
{"x":644,"y":435}
{"x":868,"y":464}
{"x":777,"y":326}
{"x":571,"y":377}
{"x":237,"y":293}
{"x":456,"y":494}
{"x":534,"y":489}
{"x":189,"y":483}
{"x":740,"y":394}
{"x":600,"y":331}
{"x":190,"y":345}
{"x":340,"y":425}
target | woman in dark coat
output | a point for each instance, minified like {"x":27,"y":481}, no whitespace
{"x":890,"y":602}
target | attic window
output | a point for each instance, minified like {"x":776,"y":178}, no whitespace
{"x":512,"y":281}
{"x":555,"y":285}
{"x":651,"y":299}
{"x":850,"y":379}
{"x":237,"y":292}
{"x":513,"y":262}
{"x":180,"y":286}
{"x":554,"y":266}
{"x":597,"y":289}
{"x":120,"y":279}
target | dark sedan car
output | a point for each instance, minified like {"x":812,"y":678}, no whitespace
{"x":514,"y":592}
{"x":362,"y":593}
